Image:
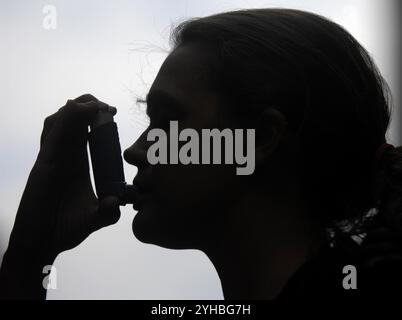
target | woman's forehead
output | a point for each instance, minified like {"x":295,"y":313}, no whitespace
{"x":188,"y":64}
{"x":185,"y":73}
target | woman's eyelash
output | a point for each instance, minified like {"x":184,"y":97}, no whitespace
{"x":141,"y":101}
{"x":138,"y":111}
{"x":161,"y":118}
{"x":143,"y":105}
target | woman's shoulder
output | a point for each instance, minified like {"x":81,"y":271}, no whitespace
{"x":349,"y":270}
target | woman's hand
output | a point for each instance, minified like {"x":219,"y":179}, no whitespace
{"x":58,"y":209}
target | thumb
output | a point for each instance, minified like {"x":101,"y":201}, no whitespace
{"x":108,"y":212}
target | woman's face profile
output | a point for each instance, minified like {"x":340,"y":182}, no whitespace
{"x":181,"y":206}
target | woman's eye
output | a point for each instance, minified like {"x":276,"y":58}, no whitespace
{"x":163,"y":118}
{"x":163,"y":121}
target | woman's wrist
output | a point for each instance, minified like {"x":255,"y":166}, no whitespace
{"x":22,"y":273}
{"x":18,"y":254}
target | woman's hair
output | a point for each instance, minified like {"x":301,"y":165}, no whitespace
{"x":330,"y":90}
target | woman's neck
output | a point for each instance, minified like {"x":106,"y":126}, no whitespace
{"x":264,"y":246}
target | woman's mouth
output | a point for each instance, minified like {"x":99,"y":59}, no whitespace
{"x":140,"y":201}
{"x":134,"y":194}
{"x":142,"y":193}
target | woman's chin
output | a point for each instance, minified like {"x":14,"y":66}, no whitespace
{"x":149,"y":228}
{"x":143,"y":228}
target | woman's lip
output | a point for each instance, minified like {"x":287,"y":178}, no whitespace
{"x":139,"y":202}
{"x":130,"y":194}
{"x":142,"y":183}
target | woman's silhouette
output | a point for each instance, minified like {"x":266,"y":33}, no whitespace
{"x":320,"y":110}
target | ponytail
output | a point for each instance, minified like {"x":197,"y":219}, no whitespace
{"x":384,"y":220}
{"x":381,"y":250}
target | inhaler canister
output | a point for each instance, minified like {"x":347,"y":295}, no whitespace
{"x":107,"y":163}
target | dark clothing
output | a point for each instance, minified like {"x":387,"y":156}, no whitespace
{"x":322,"y":277}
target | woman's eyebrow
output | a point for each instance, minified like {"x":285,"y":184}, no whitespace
{"x":157,"y":97}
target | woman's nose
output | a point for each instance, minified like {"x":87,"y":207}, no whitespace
{"x":136,"y":154}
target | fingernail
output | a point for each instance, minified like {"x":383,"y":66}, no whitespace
{"x":105,"y":107}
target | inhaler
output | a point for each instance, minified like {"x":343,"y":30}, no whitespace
{"x":106,"y":159}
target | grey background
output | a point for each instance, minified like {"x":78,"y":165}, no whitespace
{"x":108,"y":49}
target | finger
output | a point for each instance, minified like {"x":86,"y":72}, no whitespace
{"x":47,"y":126}
{"x":108,"y":212}
{"x":80,"y":111}
{"x":66,"y":131}
{"x":86,"y":98}
{"x":72,"y":123}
